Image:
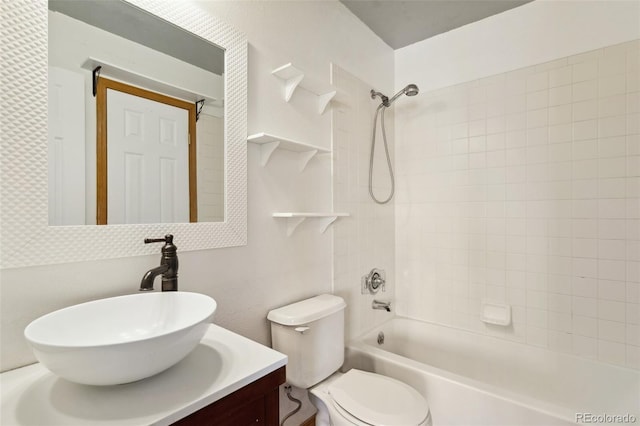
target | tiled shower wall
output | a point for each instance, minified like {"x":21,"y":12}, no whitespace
{"x":523,"y":188}
{"x":365,"y":239}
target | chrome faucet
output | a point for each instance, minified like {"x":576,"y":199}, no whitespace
{"x":382,"y":305}
{"x":168,"y":266}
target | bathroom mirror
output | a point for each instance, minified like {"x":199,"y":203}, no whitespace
{"x":27,"y":238}
{"x":136,"y":118}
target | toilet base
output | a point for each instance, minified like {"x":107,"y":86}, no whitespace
{"x":331,"y":414}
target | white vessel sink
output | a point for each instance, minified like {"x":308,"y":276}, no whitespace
{"x":121,"y":339}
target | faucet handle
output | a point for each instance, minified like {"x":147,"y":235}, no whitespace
{"x":167,"y":239}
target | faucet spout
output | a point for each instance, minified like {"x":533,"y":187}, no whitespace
{"x":168,"y":266}
{"x":382,"y":305}
{"x":147,"y":280}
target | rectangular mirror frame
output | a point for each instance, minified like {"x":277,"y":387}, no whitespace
{"x":26,"y":239}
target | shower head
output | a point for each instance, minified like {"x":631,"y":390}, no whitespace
{"x":409,"y":90}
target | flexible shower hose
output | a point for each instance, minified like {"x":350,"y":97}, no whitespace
{"x":380,"y":110}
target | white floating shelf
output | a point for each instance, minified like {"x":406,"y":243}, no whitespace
{"x":269,"y":143}
{"x":295,"y":219}
{"x":293,"y":77}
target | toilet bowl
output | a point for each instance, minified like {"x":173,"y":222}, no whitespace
{"x":363,"y":399}
{"x":311,"y":334}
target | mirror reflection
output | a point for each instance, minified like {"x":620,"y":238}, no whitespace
{"x":136,"y":118}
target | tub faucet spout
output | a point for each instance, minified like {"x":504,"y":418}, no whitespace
{"x":381,"y":304}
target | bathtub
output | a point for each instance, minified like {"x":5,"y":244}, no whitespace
{"x":471,"y":379}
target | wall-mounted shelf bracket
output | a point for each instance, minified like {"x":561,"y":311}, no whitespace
{"x":292,"y":77}
{"x":269,"y":143}
{"x":295,"y":219}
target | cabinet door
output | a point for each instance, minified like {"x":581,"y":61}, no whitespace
{"x":255,"y":404}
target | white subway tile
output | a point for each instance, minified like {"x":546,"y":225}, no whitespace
{"x":612,"y":331}
{"x":560,"y":284}
{"x":612,"y":105}
{"x":585,"y":169}
{"x":612,"y":64}
{"x":612,"y":209}
{"x":633,"y":165}
{"x":633,"y":123}
{"x":536,"y":82}
{"x":633,"y":250}
{"x":584,"y":287}
{"x":561,"y":114}
{"x":516,"y":139}
{"x":584,"y":90}
{"x":495,"y":141}
{"x":633,"y":313}
{"x":612,"y":249}
{"x":585,"y":130}
{"x":585,"y":326}
{"x":540,"y":99}
{"x":560,"y":152}
{"x":537,"y":118}
{"x":538,"y":136}
{"x":633,"y":103}
{"x":560,"y":133}
{"x":584,"y":306}
{"x":585,"y":268}
{"x":612,"y":147}
{"x":517,"y":121}
{"x":611,"y":310}
{"x":477,"y":128}
{"x":612,"y":85}
{"x":585,"y":189}
{"x":585,"y":228}
{"x":560,"y":76}
{"x":633,"y":271}
{"x":585,"y":209}
{"x":585,"y":110}
{"x":612,"y":290}
{"x":515,"y":104}
{"x":496,"y":125}
{"x":633,"y":144}
{"x":612,"y":126}
{"x":587,"y":56}
{"x":633,"y":292}
{"x":633,"y":335}
{"x":611,"y":229}
{"x":587,"y":70}
{"x":559,"y":321}
{"x":633,"y":357}
{"x":633,"y":229}
{"x":612,"y":188}
{"x":587,"y":248}
{"x":557,"y":96}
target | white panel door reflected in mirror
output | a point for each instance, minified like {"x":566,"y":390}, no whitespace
{"x":133,"y":47}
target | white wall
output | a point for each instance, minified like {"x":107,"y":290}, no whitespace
{"x":271,"y":270}
{"x":534,"y":33}
{"x":518,"y":177}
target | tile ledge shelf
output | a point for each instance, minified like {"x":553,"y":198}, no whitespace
{"x":296,"y":218}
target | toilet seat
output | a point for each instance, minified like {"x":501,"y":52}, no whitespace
{"x":378,"y":400}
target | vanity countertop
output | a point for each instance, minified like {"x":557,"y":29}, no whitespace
{"x":222,"y":363}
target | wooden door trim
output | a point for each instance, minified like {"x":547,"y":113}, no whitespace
{"x":101,"y":142}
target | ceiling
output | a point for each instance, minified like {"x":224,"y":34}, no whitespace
{"x":400,"y":23}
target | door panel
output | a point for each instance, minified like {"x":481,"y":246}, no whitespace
{"x":148,"y":160}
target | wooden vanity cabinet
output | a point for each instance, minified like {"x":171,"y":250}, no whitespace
{"x":255,"y":404}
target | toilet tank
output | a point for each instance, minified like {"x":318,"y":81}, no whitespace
{"x":311,"y":334}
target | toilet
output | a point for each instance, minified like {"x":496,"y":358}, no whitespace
{"x":311,"y":334}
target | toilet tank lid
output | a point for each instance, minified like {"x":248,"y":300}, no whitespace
{"x":307,"y":310}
